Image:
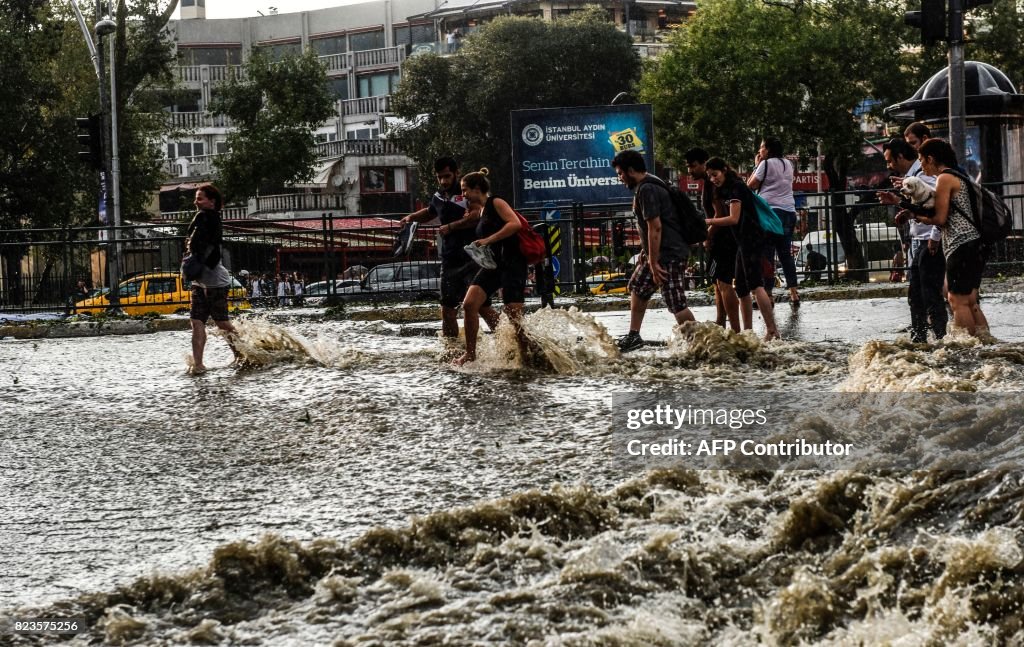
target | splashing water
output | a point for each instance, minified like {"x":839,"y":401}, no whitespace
{"x":565,"y":342}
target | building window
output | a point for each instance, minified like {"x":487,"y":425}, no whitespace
{"x":329,"y":46}
{"x":382,"y":179}
{"x":362,"y":133}
{"x":221,"y":148}
{"x":324,"y":138}
{"x":415,"y":34}
{"x":281,"y":50}
{"x":338,"y":87}
{"x":367,"y":40}
{"x":185,"y":149}
{"x":377,"y":85}
{"x":209,"y":55}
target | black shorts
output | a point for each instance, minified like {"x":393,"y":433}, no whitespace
{"x":510,"y":278}
{"x":750,"y":272}
{"x":964,"y":268}
{"x":455,"y":280}
{"x":209,"y":302}
{"x":723,"y":263}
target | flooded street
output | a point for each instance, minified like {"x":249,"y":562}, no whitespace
{"x":272,"y":504}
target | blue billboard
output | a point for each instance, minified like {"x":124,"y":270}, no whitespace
{"x":564,"y":155}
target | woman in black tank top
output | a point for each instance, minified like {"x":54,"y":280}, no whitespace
{"x":498,"y":228}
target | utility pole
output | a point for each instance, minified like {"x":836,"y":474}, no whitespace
{"x":957,"y":100}
{"x":944,"y":20}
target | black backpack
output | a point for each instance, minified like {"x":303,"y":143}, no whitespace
{"x":692,"y":225}
{"x":992,"y":217}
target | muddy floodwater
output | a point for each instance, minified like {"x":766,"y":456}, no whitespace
{"x":349,"y":487}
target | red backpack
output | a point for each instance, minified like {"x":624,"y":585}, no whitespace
{"x":531,"y":244}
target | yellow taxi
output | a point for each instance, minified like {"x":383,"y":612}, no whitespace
{"x":157,"y":292}
{"x":608,"y":283}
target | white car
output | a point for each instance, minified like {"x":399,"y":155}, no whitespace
{"x":316,"y":293}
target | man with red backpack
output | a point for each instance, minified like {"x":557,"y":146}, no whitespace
{"x":664,"y":251}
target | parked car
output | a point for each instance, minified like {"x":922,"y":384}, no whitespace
{"x":159,"y":292}
{"x":317,"y":293}
{"x":608,"y":283}
{"x":416,"y":280}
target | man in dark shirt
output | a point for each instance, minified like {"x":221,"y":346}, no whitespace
{"x":721,"y":244}
{"x":457,"y":229}
{"x":664,"y":252}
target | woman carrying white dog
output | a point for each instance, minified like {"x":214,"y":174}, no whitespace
{"x":961,"y":242}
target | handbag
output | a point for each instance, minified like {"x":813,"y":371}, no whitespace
{"x":191,"y":267}
{"x":766,"y":216}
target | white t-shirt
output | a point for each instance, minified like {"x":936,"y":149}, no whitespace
{"x":218,"y":277}
{"x":282,"y":289}
{"x":778,"y":190}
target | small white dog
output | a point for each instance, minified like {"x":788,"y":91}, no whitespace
{"x":917,"y":191}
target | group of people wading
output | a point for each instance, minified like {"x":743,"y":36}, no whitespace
{"x":741,"y":252}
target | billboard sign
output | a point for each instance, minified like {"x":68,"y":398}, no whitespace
{"x":564,"y":155}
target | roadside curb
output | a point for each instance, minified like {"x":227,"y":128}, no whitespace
{"x":420,"y":313}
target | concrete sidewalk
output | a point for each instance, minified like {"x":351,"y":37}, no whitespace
{"x":47,"y":327}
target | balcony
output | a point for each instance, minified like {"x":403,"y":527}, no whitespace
{"x":193,"y":120}
{"x":209,"y":73}
{"x":363,"y":60}
{"x":364,"y":106}
{"x":346,"y":147}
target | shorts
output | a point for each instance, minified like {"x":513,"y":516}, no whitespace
{"x":455,"y":280}
{"x":510,"y":278}
{"x":964,"y":268}
{"x":750,"y":272}
{"x":673,"y":290}
{"x":209,"y":302}
{"x":723,"y":263}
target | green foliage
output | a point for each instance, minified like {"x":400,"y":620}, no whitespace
{"x":741,"y":69}
{"x":276,"y":107}
{"x":48,"y":81}
{"x":996,"y":36}
{"x":512,"y":63}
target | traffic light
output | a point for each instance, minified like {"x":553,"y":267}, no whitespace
{"x":90,"y":140}
{"x":619,"y":239}
{"x":931,"y":20}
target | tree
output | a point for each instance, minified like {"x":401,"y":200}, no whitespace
{"x":276,"y":106}
{"x":739,"y":70}
{"x":48,"y":81}
{"x":511,"y":63}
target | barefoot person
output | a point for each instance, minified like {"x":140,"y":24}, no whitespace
{"x":955,"y":216}
{"x":497,"y":230}
{"x":210,"y":291}
{"x":457,"y":229}
{"x":734,"y":195}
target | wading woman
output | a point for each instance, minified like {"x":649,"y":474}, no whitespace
{"x":497,"y":229}
{"x":731,"y":192}
{"x":961,"y":242}
{"x":210,"y":290}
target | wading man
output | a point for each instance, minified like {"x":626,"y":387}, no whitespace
{"x":664,"y":252}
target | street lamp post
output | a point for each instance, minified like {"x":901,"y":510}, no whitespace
{"x":108,"y":101}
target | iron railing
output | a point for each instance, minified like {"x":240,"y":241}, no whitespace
{"x":39,"y":268}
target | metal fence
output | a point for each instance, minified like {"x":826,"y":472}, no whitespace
{"x":595,"y":246}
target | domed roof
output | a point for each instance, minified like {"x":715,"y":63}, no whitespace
{"x":980,"y":79}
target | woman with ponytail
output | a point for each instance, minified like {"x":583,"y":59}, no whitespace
{"x":750,"y":237}
{"x":497,"y":230}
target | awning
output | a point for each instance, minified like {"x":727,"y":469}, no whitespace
{"x":321,"y":174}
{"x":465,"y":7}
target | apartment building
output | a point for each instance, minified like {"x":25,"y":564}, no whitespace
{"x":363,"y":47}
